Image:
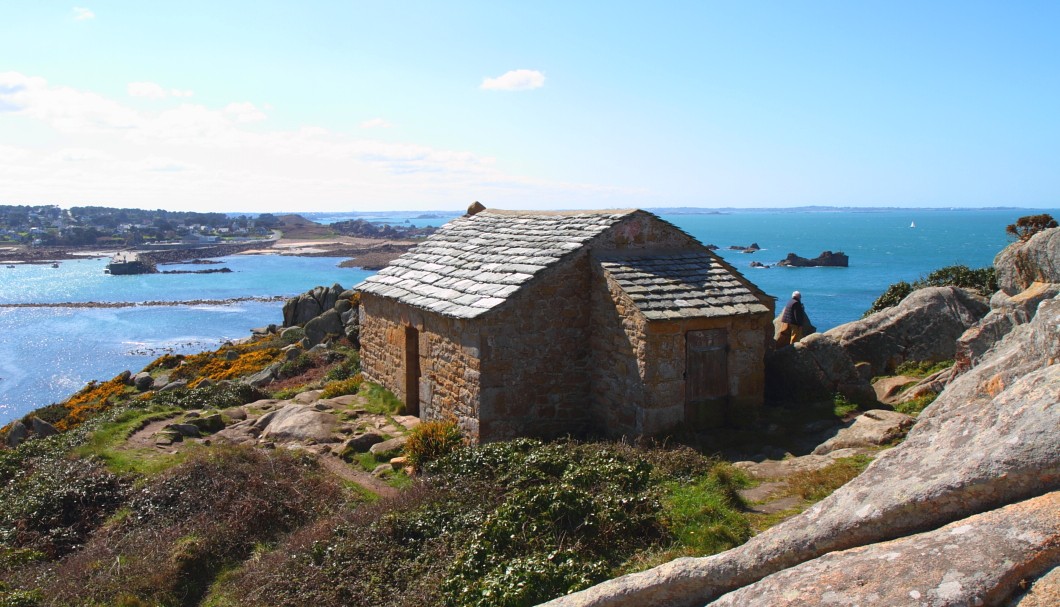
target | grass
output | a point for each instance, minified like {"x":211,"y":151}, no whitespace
{"x":921,"y":369}
{"x":842,"y":407}
{"x":705,"y":516}
{"x":815,"y":485}
{"x":368,"y":461}
{"x":103,"y":443}
{"x":915,"y":406}
{"x":380,"y":400}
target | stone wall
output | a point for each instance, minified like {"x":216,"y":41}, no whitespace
{"x":449,"y":361}
{"x":618,"y":357}
{"x":535,"y":353}
{"x":382,"y":343}
{"x":643,"y":231}
{"x":638,"y":366}
{"x":665,"y":380}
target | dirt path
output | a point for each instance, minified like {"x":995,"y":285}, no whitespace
{"x":347,"y":472}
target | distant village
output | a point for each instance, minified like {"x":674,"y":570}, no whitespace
{"x":50,"y":225}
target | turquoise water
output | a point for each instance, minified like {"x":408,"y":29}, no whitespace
{"x":883,"y":249}
{"x":48,"y":353}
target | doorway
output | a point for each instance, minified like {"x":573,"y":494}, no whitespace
{"x":412,"y":371}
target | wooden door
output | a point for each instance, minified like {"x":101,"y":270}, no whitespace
{"x":706,"y":377}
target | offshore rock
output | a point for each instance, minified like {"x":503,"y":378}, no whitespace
{"x":987,"y":441}
{"x":826,"y":259}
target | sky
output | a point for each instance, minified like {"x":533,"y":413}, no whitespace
{"x":408,"y":105}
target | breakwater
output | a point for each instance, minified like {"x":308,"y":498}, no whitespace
{"x":134,"y":304}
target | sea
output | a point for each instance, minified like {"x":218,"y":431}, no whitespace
{"x":48,"y":353}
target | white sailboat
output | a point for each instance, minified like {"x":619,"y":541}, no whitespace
{"x":912,"y":224}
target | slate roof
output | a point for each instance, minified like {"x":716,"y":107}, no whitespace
{"x":473,"y":264}
{"x":685,"y":284}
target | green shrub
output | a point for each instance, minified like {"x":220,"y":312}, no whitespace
{"x":215,"y":396}
{"x":51,"y":503}
{"x":342,"y":387}
{"x":346,"y":368}
{"x":509,"y":523}
{"x":431,"y":440}
{"x":982,"y":280}
{"x":299,"y":365}
{"x":1029,"y":225}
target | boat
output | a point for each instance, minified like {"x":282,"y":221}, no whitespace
{"x":55,"y":265}
{"x":912,"y":224}
{"x":124,"y":264}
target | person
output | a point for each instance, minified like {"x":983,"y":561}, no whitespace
{"x":792,"y":321}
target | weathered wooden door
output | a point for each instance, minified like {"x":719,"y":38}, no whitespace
{"x":706,"y":377}
{"x":412,"y":371}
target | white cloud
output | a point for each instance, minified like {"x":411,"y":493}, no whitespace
{"x":244,"y":112}
{"x":146,"y":89}
{"x":376,"y":123}
{"x":83,"y":14}
{"x":154,"y":91}
{"x":515,"y":80}
{"x":209,"y":158}
{"x":80,"y":155}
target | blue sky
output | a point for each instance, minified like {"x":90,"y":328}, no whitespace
{"x":280,"y":106}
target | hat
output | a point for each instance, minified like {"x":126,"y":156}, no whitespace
{"x":796,"y":295}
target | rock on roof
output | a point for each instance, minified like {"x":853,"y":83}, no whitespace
{"x":473,"y":264}
{"x":684,"y":284}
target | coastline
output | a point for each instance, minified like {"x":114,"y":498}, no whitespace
{"x":367,"y":253}
{"x":134,"y":304}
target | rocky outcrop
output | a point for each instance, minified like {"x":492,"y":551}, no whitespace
{"x":988,"y":441}
{"x":874,"y":427}
{"x":17,"y":433}
{"x":1028,"y":274}
{"x":321,"y":314}
{"x":925,"y":326}
{"x":975,"y":561}
{"x":296,"y":422}
{"x":307,"y":306}
{"x":1005,"y":314}
{"x":825,"y":259}
{"x":328,"y":324}
{"x":1021,"y":264}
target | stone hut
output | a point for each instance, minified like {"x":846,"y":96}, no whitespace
{"x":521,"y":323}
